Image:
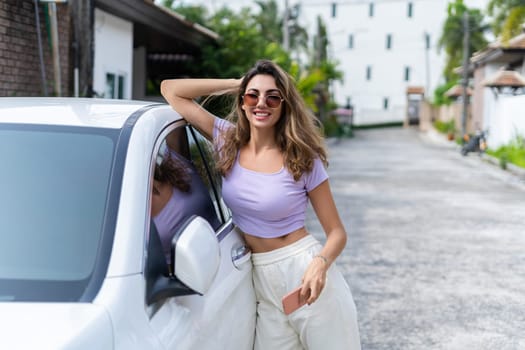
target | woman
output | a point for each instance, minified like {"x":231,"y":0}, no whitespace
{"x":272,"y":158}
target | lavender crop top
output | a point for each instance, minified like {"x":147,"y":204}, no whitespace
{"x":267,"y":205}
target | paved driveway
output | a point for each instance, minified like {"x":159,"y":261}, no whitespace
{"x":436,"y":249}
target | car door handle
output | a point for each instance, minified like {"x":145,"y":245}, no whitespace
{"x":240,"y":255}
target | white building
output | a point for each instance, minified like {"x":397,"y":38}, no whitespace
{"x":112,"y":70}
{"x":383,"y":47}
{"x":137,"y":44}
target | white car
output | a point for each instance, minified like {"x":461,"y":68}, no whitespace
{"x":81,"y":262}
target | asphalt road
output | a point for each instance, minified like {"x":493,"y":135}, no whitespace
{"x":436,"y":250}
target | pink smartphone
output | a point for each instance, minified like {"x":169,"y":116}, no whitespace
{"x":292,"y":301}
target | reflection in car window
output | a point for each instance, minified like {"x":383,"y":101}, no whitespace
{"x":179,"y":191}
{"x":54,"y":188}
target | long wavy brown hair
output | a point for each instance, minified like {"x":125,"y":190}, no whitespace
{"x":172,"y":171}
{"x":297,"y":132}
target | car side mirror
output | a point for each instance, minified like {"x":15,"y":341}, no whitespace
{"x":195,"y":260}
{"x":195,"y":255}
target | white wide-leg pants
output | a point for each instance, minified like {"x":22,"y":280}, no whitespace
{"x":330,"y":323}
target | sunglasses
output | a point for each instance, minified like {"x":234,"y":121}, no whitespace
{"x":272,"y":101}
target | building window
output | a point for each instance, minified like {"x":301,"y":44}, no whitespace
{"x":114,"y":86}
{"x":388,"y":41}
{"x":369,"y":73}
{"x":385,"y":103}
{"x":348,"y":102}
{"x":334,"y":9}
{"x":410,"y":9}
{"x":351,"y":41}
{"x":407,"y":73}
{"x":371,"y":9}
{"x":427,"y":41}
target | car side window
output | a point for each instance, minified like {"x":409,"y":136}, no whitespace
{"x":180,"y":190}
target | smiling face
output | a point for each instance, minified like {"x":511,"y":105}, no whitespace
{"x":260,"y":95}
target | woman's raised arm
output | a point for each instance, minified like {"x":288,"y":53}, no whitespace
{"x":180,"y":94}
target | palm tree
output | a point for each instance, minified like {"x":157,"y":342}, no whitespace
{"x":271,"y":21}
{"x":452,"y":36}
{"x":509,"y":16}
{"x":324,"y":67}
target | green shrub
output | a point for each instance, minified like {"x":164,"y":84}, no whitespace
{"x":514,"y":152}
{"x":332,"y":128}
{"x":445,"y":127}
{"x":510,"y":154}
{"x":439,"y":94}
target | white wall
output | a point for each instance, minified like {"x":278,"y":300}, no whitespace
{"x":502,"y":113}
{"x":113,"y":51}
{"x":506,"y":120}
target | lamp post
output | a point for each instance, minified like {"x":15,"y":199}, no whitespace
{"x":286,"y":29}
{"x":466,"y":40}
{"x":427,"y":63}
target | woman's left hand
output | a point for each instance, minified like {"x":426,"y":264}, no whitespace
{"x":314,"y":280}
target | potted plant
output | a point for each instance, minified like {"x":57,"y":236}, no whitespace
{"x":450,"y":129}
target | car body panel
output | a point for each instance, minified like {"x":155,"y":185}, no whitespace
{"x":60,"y":111}
{"x":75,"y":326}
{"x":224,"y":323}
{"x":124,"y":299}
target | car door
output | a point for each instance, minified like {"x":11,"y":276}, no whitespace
{"x":224,"y":317}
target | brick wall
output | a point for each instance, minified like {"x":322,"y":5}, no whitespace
{"x":20,"y":72}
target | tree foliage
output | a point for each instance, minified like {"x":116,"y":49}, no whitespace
{"x":439,"y":94}
{"x":246,"y":37}
{"x":326,"y":69}
{"x":508,"y":17}
{"x":320,"y":42}
{"x":240,"y":43}
{"x":269,"y":20}
{"x":451,"y":39}
{"x":193,"y":13}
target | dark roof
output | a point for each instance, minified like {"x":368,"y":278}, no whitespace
{"x":498,"y":51}
{"x":457,"y":90}
{"x":504,"y":78}
{"x":415,"y":90}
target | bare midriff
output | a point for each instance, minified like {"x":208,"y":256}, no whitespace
{"x":262,"y":245}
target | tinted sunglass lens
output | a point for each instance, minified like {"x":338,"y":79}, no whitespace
{"x":273,"y":101}
{"x":251,"y":99}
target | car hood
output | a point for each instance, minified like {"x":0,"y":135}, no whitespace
{"x":54,"y":326}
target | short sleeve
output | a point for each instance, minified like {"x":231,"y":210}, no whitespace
{"x":315,"y":177}
{"x":219,"y":127}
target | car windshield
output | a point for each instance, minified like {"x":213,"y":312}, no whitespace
{"x":53,"y":192}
